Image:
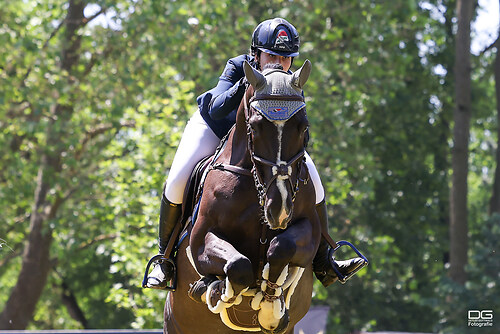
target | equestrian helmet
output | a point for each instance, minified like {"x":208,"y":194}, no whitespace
{"x":276,"y":36}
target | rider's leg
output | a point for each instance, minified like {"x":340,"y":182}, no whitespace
{"x":197,"y":142}
{"x":169,"y":215}
{"x":322,"y":266}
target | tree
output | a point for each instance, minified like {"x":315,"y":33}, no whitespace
{"x":460,"y":151}
{"x":36,"y":260}
{"x":46,"y":129}
{"x":494,"y":205}
{"x":380,"y":104}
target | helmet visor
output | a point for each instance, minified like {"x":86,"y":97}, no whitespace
{"x":280,"y":52}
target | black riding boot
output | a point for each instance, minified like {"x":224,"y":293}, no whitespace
{"x":163,"y":272}
{"x":322,"y":263}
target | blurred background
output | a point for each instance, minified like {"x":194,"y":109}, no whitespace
{"x":402,"y":102}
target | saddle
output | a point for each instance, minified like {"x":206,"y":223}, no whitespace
{"x":193,"y":190}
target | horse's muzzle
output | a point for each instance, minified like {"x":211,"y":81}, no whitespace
{"x":277,"y":214}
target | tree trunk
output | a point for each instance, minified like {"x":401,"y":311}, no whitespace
{"x":35,"y":267}
{"x":495,"y":196}
{"x":460,"y":151}
{"x":69,"y":300}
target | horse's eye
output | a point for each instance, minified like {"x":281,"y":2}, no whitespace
{"x":254,"y":129}
{"x":306,"y":136}
{"x":255,"y":124}
{"x":303,"y":128}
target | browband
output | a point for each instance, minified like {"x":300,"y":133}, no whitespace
{"x":277,"y":97}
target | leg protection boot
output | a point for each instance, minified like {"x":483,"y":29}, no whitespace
{"x":163,"y":272}
{"x":323,"y":264}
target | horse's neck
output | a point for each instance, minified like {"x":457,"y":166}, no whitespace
{"x":236,"y":152}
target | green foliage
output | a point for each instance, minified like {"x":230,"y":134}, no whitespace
{"x":481,"y":292}
{"x":380,"y":118}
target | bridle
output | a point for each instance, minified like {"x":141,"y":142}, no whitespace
{"x":284,"y":169}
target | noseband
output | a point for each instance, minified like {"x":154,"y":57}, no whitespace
{"x":284,"y":169}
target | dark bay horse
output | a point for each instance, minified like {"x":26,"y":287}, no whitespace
{"x":256,"y":231}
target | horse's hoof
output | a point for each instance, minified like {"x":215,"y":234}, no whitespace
{"x":198,"y":288}
{"x":282,"y":325}
{"x":215,"y":294}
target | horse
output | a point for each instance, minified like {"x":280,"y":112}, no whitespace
{"x":255,"y":232}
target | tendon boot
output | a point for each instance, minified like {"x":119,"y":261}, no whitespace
{"x":325,"y":267}
{"x":163,"y":271}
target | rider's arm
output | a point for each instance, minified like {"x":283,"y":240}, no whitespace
{"x":227,"y":95}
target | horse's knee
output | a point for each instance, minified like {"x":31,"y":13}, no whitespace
{"x":240,"y":272}
{"x":281,"y":250}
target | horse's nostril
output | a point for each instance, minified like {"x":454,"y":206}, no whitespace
{"x":284,"y":218}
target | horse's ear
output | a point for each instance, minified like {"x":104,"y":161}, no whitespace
{"x":256,"y":79}
{"x":300,"y":76}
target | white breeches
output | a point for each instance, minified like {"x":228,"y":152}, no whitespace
{"x":199,"y":141}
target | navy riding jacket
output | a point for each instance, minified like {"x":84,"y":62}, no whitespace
{"x":219,"y":105}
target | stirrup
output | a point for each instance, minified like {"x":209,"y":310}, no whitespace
{"x":343,"y":278}
{"x":159,"y":258}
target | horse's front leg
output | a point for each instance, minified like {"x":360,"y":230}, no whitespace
{"x":227,"y":273}
{"x":287,"y":256}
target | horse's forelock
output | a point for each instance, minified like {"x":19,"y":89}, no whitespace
{"x":272,"y":66}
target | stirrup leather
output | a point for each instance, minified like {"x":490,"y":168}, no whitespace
{"x":343,"y":278}
{"x":159,"y":258}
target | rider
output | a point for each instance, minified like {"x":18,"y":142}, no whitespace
{"x":274,"y":41}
